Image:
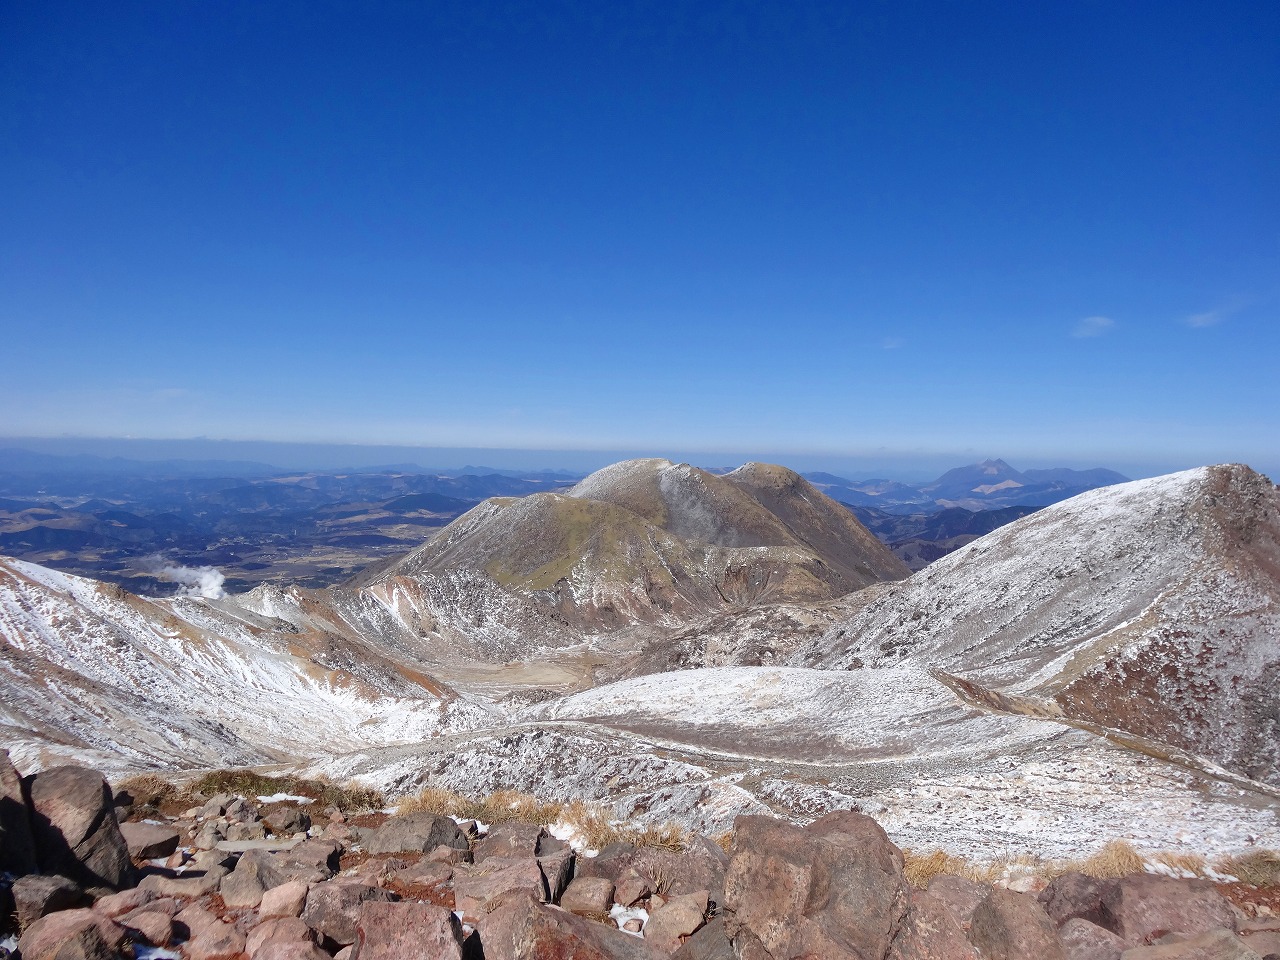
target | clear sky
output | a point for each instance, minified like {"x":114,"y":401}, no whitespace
{"x":1043,"y":231}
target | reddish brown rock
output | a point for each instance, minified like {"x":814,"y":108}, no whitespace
{"x":190,"y":885}
{"x":591,"y":895}
{"x":126,"y":901}
{"x":709,"y":943}
{"x":396,"y":931}
{"x":296,"y":950}
{"x":556,"y":869}
{"x":72,"y":935}
{"x":416,"y":833}
{"x":515,"y":840}
{"x":678,"y":918}
{"x":333,"y":909}
{"x":959,"y":895}
{"x":1013,"y":926}
{"x":931,"y":932}
{"x":149,"y":841}
{"x":73,"y":823}
{"x":1142,"y":907}
{"x":35,"y":896}
{"x":1219,"y":944}
{"x":631,"y":887}
{"x":1076,"y":895}
{"x":477,"y":888}
{"x":286,"y":900}
{"x":835,"y":889}
{"x":1087,"y":941}
{"x":150,"y":926}
{"x":524,"y":929}
{"x":277,"y":930}
{"x":216,"y":941}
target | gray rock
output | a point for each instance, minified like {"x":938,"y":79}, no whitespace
{"x":75,"y":830}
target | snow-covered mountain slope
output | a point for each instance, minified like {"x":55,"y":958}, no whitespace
{"x":641,"y":542}
{"x":1151,"y":607}
{"x":702,"y":746}
{"x":89,"y":669}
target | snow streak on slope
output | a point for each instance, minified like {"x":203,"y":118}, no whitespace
{"x":1151,"y":606}
{"x":183,"y":682}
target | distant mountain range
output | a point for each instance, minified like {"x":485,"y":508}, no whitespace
{"x":989,"y":485}
{"x":1106,"y":665}
{"x":121,"y":520}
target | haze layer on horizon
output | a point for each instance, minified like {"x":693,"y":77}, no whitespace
{"x":1044,"y":232}
{"x":897,"y":464}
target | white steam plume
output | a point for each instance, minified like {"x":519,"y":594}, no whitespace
{"x":196,"y":581}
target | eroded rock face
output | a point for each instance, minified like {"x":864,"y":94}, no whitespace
{"x":835,"y":889}
{"x":75,"y":830}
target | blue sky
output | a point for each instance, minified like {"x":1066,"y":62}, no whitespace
{"x":1047,"y":232}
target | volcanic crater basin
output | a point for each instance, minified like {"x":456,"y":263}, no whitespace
{"x":700,"y":747}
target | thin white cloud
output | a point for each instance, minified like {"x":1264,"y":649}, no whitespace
{"x":1093,"y":327}
{"x":891,"y":343}
{"x":1211,"y":318}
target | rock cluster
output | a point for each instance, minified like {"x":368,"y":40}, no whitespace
{"x":236,"y":879}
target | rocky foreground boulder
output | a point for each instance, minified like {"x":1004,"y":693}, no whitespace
{"x":295,"y":885}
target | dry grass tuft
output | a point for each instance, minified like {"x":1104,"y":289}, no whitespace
{"x":1187,"y":862}
{"x":250,"y":783}
{"x":441,"y":802}
{"x":667,"y":836}
{"x":920,"y":868}
{"x":1260,"y":868}
{"x":723,"y":840}
{"x":147,"y":789}
{"x":1117,"y":859}
{"x":504,"y":806}
{"x":592,"y":823}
